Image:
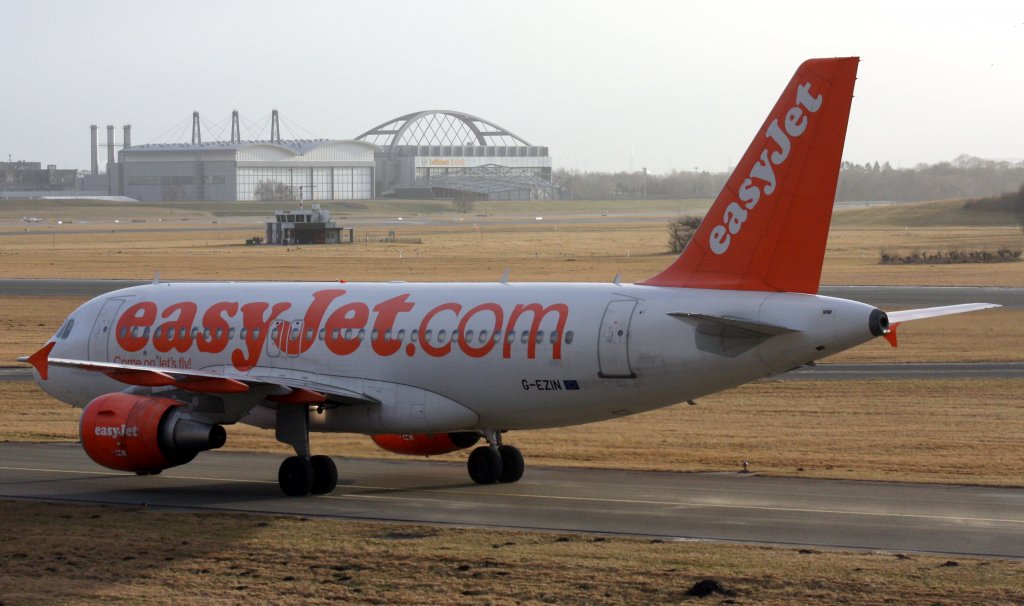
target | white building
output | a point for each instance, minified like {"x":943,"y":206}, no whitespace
{"x":259,"y":170}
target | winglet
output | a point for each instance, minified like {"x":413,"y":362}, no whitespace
{"x":768,"y":227}
{"x":40,"y":360}
{"x":890,"y":334}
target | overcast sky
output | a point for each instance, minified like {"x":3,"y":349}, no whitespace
{"x":605,"y":85}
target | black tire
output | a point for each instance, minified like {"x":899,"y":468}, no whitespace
{"x":295,"y":476}
{"x":512,"y":464}
{"x":325,"y":474}
{"x":484,"y":465}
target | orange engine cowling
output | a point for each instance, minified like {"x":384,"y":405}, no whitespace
{"x":426,"y":444}
{"x":144,"y":434}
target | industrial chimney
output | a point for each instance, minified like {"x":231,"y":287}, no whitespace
{"x":127,"y":136}
{"x":92,"y":155}
{"x":110,"y":147}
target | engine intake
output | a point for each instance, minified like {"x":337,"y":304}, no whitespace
{"x":144,"y":434}
{"x":426,"y":444}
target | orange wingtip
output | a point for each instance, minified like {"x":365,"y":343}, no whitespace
{"x":40,"y":360}
{"x":890,"y":335}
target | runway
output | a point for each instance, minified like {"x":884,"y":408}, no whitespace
{"x":953,"y":520}
{"x":886,"y":297}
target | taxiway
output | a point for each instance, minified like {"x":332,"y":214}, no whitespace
{"x":961,"y":520}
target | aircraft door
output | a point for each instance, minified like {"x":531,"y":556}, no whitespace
{"x":613,"y":341}
{"x":102,"y":329}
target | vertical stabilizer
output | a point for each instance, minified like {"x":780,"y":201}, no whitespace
{"x":768,"y":227}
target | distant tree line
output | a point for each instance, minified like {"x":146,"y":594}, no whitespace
{"x":964,"y":177}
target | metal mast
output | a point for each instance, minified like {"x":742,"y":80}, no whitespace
{"x":197,"y":136}
{"x":275,"y":128}
{"x":236,"y":132}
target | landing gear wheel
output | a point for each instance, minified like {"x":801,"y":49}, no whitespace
{"x":511,"y":464}
{"x":325,"y":474}
{"x":485,"y":465}
{"x":295,"y":476}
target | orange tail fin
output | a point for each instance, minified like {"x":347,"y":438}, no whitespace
{"x":767,"y":230}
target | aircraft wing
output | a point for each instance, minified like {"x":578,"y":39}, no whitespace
{"x":283,"y":389}
{"x":898,"y":317}
{"x":895,"y":317}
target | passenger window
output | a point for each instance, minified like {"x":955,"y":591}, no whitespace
{"x":415,"y":335}
{"x":182,"y":331}
{"x":442,"y":335}
{"x":497,"y":336}
{"x":255,"y":333}
{"x":525,"y":337}
{"x":231,"y":333}
{"x":469,"y":336}
{"x":483,"y":336}
{"x":362,"y":334}
{"x":540,"y":337}
{"x":401,"y":334}
{"x":159,"y":332}
{"x":323,"y":333}
{"x":568,"y":338}
{"x":554,"y":337}
{"x":374,"y":334}
{"x":242,"y":333}
{"x":428,"y":334}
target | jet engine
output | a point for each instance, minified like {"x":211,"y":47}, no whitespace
{"x":426,"y":444}
{"x":144,"y":434}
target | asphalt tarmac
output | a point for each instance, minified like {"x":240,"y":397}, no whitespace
{"x":730,"y":507}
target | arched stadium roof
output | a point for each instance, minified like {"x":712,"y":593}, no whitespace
{"x":440,"y":127}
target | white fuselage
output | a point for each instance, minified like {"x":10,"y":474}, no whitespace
{"x":523,"y":356}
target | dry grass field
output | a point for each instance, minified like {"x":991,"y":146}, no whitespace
{"x":112,"y":555}
{"x":453,"y":248}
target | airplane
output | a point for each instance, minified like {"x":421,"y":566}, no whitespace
{"x":431,"y":368}
{"x":31,"y":220}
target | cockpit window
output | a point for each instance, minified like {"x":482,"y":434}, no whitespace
{"x":65,"y":329}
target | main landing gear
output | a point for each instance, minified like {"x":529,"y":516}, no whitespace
{"x":302,"y":474}
{"x":495,"y":462}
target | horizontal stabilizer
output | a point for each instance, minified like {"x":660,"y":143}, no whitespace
{"x":896,"y":317}
{"x":731,"y":327}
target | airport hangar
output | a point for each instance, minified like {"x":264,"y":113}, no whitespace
{"x":427,"y":154}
